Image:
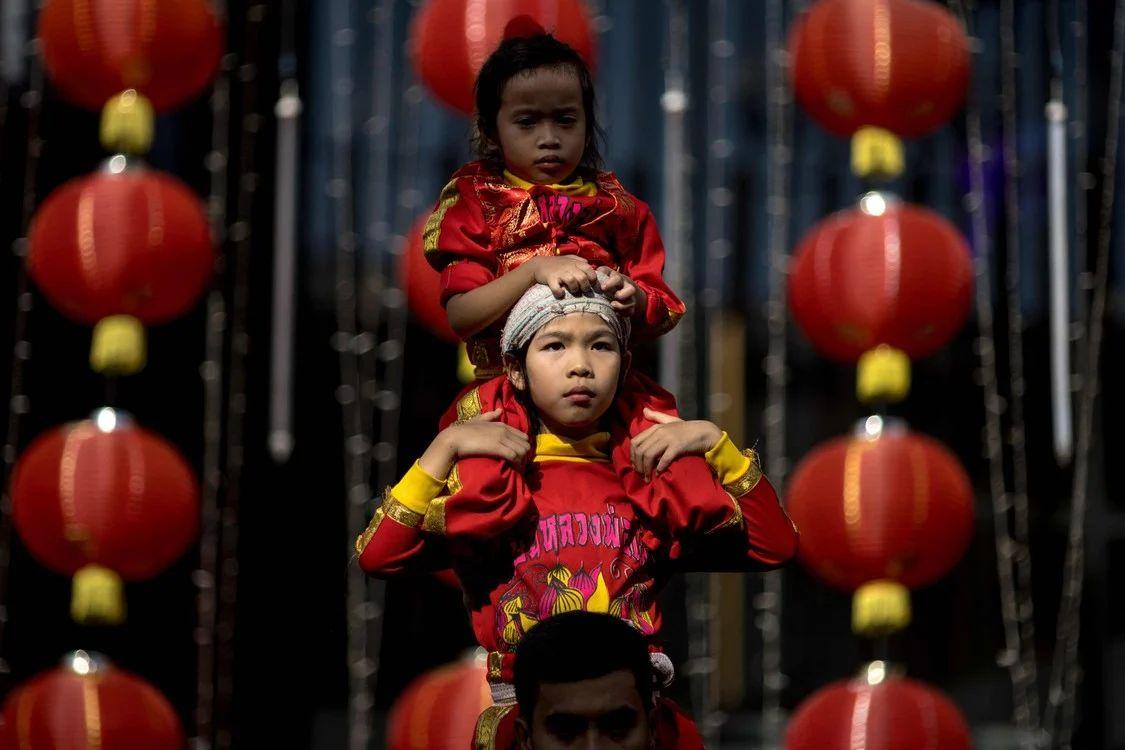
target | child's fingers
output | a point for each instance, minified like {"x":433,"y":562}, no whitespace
{"x":558,"y":287}
{"x":660,"y":417}
{"x":622,"y":307}
{"x":666,"y":459}
{"x":488,"y":416}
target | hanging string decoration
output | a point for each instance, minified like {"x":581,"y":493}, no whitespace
{"x":103,"y":500}
{"x":878,"y":710}
{"x":87,"y":702}
{"x":440,"y":708}
{"x":880,"y":512}
{"x":880,"y":283}
{"x":121,"y":249}
{"x":879,"y":70}
{"x":451,"y":39}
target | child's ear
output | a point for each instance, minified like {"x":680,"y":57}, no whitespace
{"x":515,"y":373}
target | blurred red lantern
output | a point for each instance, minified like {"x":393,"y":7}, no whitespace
{"x":129,"y":243}
{"x":88,"y":703}
{"x":451,"y":39}
{"x":100,"y":500}
{"x":422,"y":285}
{"x":884,"y":273}
{"x":439,"y":710}
{"x":880,"y":511}
{"x":901,"y":65}
{"x":877,"y":711}
{"x":95,"y":49}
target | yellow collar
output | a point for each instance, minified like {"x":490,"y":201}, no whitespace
{"x":577,"y":186}
{"x":551,"y":447}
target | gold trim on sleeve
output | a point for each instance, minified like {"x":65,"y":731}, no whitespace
{"x":362,"y":540}
{"x":469,"y":406}
{"x":431,"y":234}
{"x":749,"y":479}
{"x":484,"y":738}
{"x":434,"y":520}
{"x":396,"y":511}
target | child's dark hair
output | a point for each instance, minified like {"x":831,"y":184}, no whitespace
{"x":520,"y":55}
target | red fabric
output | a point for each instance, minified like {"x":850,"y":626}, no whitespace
{"x":897,"y":713}
{"x":488,"y":227}
{"x":440,"y":708}
{"x":422,"y":285}
{"x":674,"y":729}
{"x":903,"y":278}
{"x":447,"y":53}
{"x":124,"y":499}
{"x":50,"y":711}
{"x":899,"y":507}
{"x":135,"y":243}
{"x":902,"y":65}
{"x":95,"y":49}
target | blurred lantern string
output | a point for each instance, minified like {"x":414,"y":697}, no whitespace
{"x":1065,"y":674}
{"x":779,"y":124}
{"x":347,"y":342}
{"x":18,"y":402}
{"x":1006,"y":549}
{"x":1083,"y":179}
{"x":1058,"y":231}
{"x":240,"y":234}
{"x":1017,"y":436}
{"x":287,"y":111}
{"x":211,"y":372}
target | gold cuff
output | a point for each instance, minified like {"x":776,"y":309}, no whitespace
{"x":396,"y":511}
{"x":434,"y":520}
{"x":749,"y":479}
{"x":362,"y":540}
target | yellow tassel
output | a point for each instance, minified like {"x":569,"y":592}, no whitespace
{"x":119,"y":346}
{"x":466,"y":373}
{"x":127,"y":123}
{"x":880,"y":608}
{"x":876,"y":154}
{"x":882,"y":374}
{"x":97,"y":597}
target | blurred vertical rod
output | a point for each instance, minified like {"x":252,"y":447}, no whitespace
{"x":1060,"y":281}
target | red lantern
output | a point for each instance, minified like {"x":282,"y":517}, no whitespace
{"x":103,"y":499}
{"x":132,"y":243}
{"x":878,"y":511}
{"x":877,"y":712}
{"x":88,"y":703}
{"x":900,"y":65}
{"x":451,"y":39}
{"x":95,"y":49}
{"x":439,"y":710}
{"x":883,"y":274}
{"x":422,"y":285}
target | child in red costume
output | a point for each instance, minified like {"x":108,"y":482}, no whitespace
{"x":538,"y":520}
{"x":536,"y":208}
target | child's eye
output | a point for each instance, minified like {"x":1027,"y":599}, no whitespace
{"x":554,"y":346}
{"x":567,"y":120}
{"x":525,"y":122}
{"x":603,"y":346}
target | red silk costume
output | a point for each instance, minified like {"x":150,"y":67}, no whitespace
{"x":483,"y":226}
{"x":572,"y":531}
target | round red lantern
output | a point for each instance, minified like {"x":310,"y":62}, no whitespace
{"x":100,"y":500}
{"x":451,"y":39}
{"x":877,"y":711}
{"x":89,"y":703}
{"x":119,"y":248}
{"x":883,"y":273}
{"x":879,"y":511}
{"x":95,"y":49}
{"x":422,"y":285}
{"x":901,"y":65}
{"x":439,"y":710}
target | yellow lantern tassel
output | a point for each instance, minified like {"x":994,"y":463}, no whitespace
{"x":882,"y":374}
{"x":97,"y":597}
{"x":119,"y":346}
{"x":876,"y":154}
{"x":880,"y":608}
{"x":127,"y":123}
{"x":466,"y":372}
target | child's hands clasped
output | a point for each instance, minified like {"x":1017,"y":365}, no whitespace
{"x":564,"y":273}
{"x":656,"y":448}
{"x":625,"y":296}
{"x":482,"y":435}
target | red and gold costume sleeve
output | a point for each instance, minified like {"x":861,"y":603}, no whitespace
{"x":393,"y":542}
{"x":642,"y":260}
{"x":456,"y":240}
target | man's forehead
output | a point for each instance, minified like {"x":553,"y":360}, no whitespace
{"x":591,"y":697}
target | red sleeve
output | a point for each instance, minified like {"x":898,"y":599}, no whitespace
{"x":643,"y":262}
{"x":392,"y":547}
{"x":457,"y":240}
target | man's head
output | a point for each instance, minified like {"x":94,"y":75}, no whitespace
{"x":567,"y":356}
{"x":584,"y":680}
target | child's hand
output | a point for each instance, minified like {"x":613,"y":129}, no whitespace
{"x":625,"y":296}
{"x":564,"y":272}
{"x":482,"y":435}
{"x":658,"y":446}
